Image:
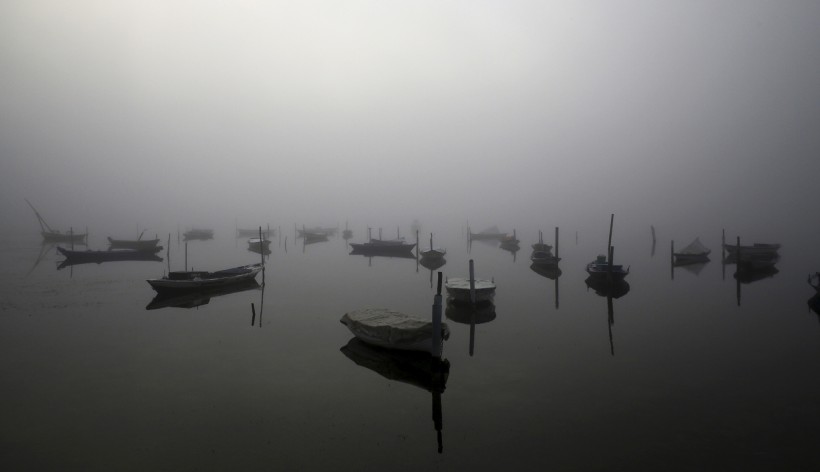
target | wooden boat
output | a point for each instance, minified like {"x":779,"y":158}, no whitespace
{"x":51,"y":235}
{"x":257,"y":245}
{"x":392,"y":329}
{"x":488,"y":234}
{"x":693,"y":253}
{"x":311,"y":237}
{"x":138,"y":244}
{"x":327,"y":232}
{"x":544,"y":259}
{"x":754,"y":249}
{"x":541,"y":246}
{"x":599,"y":268}
{"x":433,"y":252}
{"x":458,"y":290}
{"x":198,"y":233}
{"x":383,"y":247}
{"x":198,"y":280}
{"x":84,"y":257}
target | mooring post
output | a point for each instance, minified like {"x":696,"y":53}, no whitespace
{"x":472,"y":282}
{"x":168,"y":254}
{"x":737,"y":270}
{"x":186,"y":256}
{"x":672,"y":259}
{"x":556,"y":243}
{"x":611,"y":223}
{"x":437,"y":343}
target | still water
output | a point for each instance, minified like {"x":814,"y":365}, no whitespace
{"x":686,"y":373}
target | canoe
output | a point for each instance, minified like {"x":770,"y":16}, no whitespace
{"x":392,"y":329}
{"x":198,"y":280}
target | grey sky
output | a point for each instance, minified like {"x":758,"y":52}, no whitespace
{"x":473,"y":109}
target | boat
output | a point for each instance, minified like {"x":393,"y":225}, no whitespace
{"x":51,"y":235}
{"x":488,"y":234}
{"x":544,"y":259}
{"x":383,"y":247}
{"x":458,"y":290}
{"x":138,"y":244}
{"x":198,"y":233}
{"x":198,"y":280}
{"x":599,"y":268}
{"x":73,"y":257}
{"x":433,"y":252}
{"x":510,"y":243}
{"x":327,"y":232}
{"x":258,"y":245}
{"x":347,"y":233}
{"x":195,"y":298}
{"x":603,"y":288}
{"x":754,"y":249}
{"x":541,"y":246}
{"x":392,"y":329}
{"x":693,"y":253}
{"x":313,"y":237}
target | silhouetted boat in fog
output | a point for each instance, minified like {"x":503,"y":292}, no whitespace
{"x":195,"y":298}
{"x":311,"y":237}
{"x":347,"y":233}
{"x":55,"y":236}
{"x":317,"y":230}
{"x":433,"y":252}
{"x":85,"y":257}
{"x":258,"y":245}
{"x":694,"y":253}
{"x":384,"y":247}
{"x":432,"y":264}
{"x":198,"y":233}
{"x":764,"y":249}
{"x":599,"y":269}
{"x":544,"y":259}
{"x":393,"y":330}
{"x":198,"y":280}
{"x":491,"y":233}
{"x":138,"y":244}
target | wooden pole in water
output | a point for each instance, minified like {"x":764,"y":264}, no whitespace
{"x":262,"y":252}
{"x":436,"y":350}
{"x":417,"y":246}
{"x":253,"y":317}
{"x":556,"y":243}
{"x":611,"y":262}
{"x":737,"y":270}
{"x":186,"y":256}
{"x":168,"y":254}
{"x":609,"y":244}
{"x":672,"y":259}
{"x":472,"y":282}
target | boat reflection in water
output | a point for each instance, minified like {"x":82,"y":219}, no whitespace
{"x":611,"y":289}
{"x":552,"y":272}
{"x":415,"y":368}
{"x":432,"y":265}
{"x":193,"y":299}
{"x":465,"y":313}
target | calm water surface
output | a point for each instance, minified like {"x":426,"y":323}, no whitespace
{"x":684,"y":378}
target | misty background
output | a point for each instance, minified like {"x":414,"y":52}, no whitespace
{"x":681,"y":114}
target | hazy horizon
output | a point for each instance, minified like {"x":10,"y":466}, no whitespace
{"x":514,"y":113}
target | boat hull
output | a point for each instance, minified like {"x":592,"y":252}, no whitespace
{"x":181,"y":281}
{"x":458,"y":290}
{"x":138,"y":244}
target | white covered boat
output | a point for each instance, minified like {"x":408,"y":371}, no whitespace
{"x":392,"y":329}
{"x":458,"y":289}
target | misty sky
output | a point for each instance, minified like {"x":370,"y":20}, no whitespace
{"x":318,"y":111}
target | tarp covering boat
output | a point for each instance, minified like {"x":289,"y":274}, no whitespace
{"x":392,"y":329}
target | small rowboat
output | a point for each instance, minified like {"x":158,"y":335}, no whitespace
{"x":138,"y":244}
{"x":198,"y":280}
{"x":458,"y":290}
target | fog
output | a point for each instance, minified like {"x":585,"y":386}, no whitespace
{"x":693,"y":115}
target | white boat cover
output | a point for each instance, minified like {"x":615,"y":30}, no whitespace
{"x":390,"y":328}
{"x":695,"y":248}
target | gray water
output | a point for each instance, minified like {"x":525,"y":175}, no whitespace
{"x":687,"y":377}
